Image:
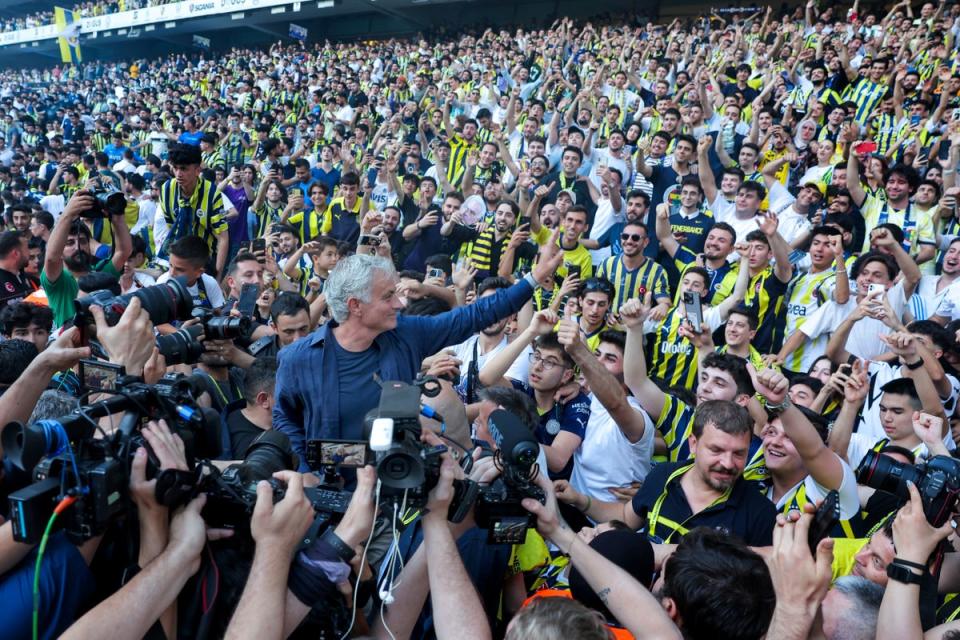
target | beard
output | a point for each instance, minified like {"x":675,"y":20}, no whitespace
{"x":79,"y":262}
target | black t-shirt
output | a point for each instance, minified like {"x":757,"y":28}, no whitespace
{"x":13,"y":287}
{"x":746,"y":513}
{"x":242,"y":433}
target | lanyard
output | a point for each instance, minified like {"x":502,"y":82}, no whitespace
{"x":220,"y":393}
{"x":655,"y":516}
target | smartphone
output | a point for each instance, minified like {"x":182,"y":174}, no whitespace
{"x":865,"y":147}
{"x":523,"y":220}
{"x":914,"y":120}
{"x":367,"y":240}
{"x":259,"y":245}
{"x":248,"y":299}
{"x":96,"y":375}
{"x":573,"y":270}
{"x":436,"y":273}
{"x":956,"y":114}
{"x":824,"y":520}
{"x":874,"y":289}
{"x":338,"y":453}
{"x":694,"y":310}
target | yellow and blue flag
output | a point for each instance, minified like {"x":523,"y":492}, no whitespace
{"x":68,"y":34}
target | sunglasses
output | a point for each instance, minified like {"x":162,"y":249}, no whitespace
{"x":635,"y":237}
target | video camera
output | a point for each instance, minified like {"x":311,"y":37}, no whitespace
{"x":67,"y":459}
{"x":937,"y":480}
{"x":164,"y":303}
{"x":408,"y":469}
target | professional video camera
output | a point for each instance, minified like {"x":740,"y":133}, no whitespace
{"x":498,"y":508}
{"x":937,"y":480}
{"x":232,"y":494}
{"x":407,"y":468}
{"x":69,"y":461}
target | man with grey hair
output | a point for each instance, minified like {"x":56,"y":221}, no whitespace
{"x":326,"y":382}
{"x":851,"y":608}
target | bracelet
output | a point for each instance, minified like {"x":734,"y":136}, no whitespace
{"x":587,"y":508}
{"x":915,"y":365}
{"x":784,"y":404}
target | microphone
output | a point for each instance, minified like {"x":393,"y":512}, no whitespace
{"x":518,"y":446}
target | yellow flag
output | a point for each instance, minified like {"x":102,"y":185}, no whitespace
{"x":68,"y":34}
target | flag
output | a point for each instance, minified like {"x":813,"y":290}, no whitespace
{"x":68,"y":34}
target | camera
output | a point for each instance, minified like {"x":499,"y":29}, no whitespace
{"x":164,"y":302}
{"x":107,"y":201}
{"x":68,"y":460}
{"x":937,"y":480}
{"x":407,"y":468}
{"x":183,"y":346}
{"x":232,"y":494}
{"x":217,"y":327}
{"x":498,"y":508}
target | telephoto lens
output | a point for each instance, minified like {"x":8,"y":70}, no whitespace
{"x":226,"y":327}
{"x":163,"y":302}
{"x":106,"y":202}
{"x":182,"y":347}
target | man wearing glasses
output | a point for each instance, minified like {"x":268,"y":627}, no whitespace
{"x":562,"y":425}
{"x":633,"y":274}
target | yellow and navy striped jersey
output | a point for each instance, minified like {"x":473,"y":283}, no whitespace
{"x":266,"y":216}
{"x":675,"y":424}
{"x":723,"y":278}
{"x":806,"y":293}
{"x":459,"y":148}
{"x":883,"y":131}
{"x":201,"y":214}
{"x":866,"y":94}
{"x":629,"y":283}
{"x":673,"y":358}
{"x":309,"y":224}
{"x":917,"y":229}
{"x":765,"y":295}
{"x":213,"y":160}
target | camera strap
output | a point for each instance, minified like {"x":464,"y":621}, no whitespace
{"x":473,"y":372}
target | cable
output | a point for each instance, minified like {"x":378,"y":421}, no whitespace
{"x":363,"y":560}
{"x":60,"y":508}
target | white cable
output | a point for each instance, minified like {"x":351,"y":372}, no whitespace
{"x":363,"y":560}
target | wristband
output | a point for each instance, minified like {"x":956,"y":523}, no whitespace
{"x":344,"y":551}
{"x":914,"y":365}
{"x":903,"y":575}
{"x":907,"y":563}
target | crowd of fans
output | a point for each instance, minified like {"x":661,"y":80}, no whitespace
{"x":709,"y":265}
{"x":86,"y":9}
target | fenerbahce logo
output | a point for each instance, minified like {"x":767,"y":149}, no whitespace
{"x":201,"y":214}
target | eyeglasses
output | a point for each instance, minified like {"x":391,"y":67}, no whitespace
{"x":635,"y":237}
{"x":596,"y":284}
{"x":536,"y":358}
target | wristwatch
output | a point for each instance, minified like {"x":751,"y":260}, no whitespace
{"x":903,"y":575}
{"x":914,"y":365}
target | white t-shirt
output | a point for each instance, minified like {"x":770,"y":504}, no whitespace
{"x":947,"y":301}
{"x":603,"y":219}
{"x":606,"y":459}
{"x":726,"y":211}
{"x":210,"y":287}
{"x":54,"y":205}
{"x":464,"y":352}
{"x":140,"y":280}
{"x":864,"y":341}
{"x":849,"y":498}
{"x":861,"y":443}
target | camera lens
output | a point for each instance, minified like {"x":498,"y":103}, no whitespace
{"x":163,"y":302}
{"x":883,"y":473}
{"x":269,"y":453}
{"x":182,"y":347}
{"x":226,"y":327}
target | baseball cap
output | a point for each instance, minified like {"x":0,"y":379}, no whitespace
{"x":570,"y":193}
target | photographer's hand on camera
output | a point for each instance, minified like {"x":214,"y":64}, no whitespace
{"x":131,"y":341}
{"x":279,"y":528}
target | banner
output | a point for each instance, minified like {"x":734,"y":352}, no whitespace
{"x":157,"y":14}
{"x":200,"y":42}
{"x":298,"y":33}
{"x":68,"y":34}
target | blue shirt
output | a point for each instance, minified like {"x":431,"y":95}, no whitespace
{"x":571,"y":416}
{"x":308,"y":399}
{"x":191,"y":138}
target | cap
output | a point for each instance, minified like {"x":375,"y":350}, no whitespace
{"x":822,"y":190}
{"x":570,"y":193}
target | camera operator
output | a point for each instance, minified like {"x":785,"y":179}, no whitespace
{"x":290,"y":321}
{"x":222,"y":369}
{"x":69,"y":247}
{"x":325,"y":384}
